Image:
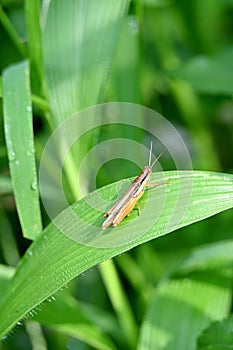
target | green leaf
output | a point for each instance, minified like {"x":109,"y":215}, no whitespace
{"x":32,"y":12}
{"x":208,"y":256}
{"x":80,"y":40}
{"x":126,"y":74}
{"x":5,"y":184}
{"x":6,"y":273}
{"x":157,"y":3}
{"x":212,"y":74}
{"x":8,"y":26}
{"x":76,"y":319}
{"x":20,"y":146}
{"x":1,"y":86}
{"x":218,"y":336}
{"x":54,"y":259}
{"x":79,"y":44}
{"x":182,"y":308}
{"x":230,"y":2}
{"x":8,"y":243}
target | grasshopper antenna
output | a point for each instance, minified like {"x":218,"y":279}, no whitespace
{"x":150,"y":154}
{"x":156,"y":159}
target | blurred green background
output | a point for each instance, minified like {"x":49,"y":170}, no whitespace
{"x":175,"y":57}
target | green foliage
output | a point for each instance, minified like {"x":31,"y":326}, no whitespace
{"x":218,"y":336}
{"x":209,"y":74}
{"x":195,"y":299}
{"x":175,"y":57}
{"x":20,"y":147}
{"x":63,"y":259}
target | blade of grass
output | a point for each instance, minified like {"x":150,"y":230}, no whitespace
{"x":83,"y":321}
{"x":7,"y":241}
{"x":191,"y":300}
{"x":135,"y":275}
{"x":66,"y":315}
{"x":193,"y":115}
{"x":208,"y":256}
{"x":54,"y":259}
{"x":36,"y":335}
{"x":181,"y":309}
{"x":119,"y":301}
{"x":40,"y":102}
{"x":6,"y":23}
{"x":79,"y":46}
{"x":162,"y":24}
{"x":5,"y":184}
{"x":32,"y":12}
{"x":20,"y":146}
{"x":79,"y":42}
{"x":127,"y":71}
{"x":218,"y":336}
{"x":6,"y":273}
{"x":209,"y":74}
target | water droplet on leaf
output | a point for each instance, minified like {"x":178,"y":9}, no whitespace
{"x":34,"y":185}
{"x":12,"y":155}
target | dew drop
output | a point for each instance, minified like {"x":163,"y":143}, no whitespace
{"x":34,"y":185}
{"x":12,"y":155}
{"x":29,"y":108}
{"x":35,"y":226}
{"x":32,"y":313}
{"x":133,"y":25}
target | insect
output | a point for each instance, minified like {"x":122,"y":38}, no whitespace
{"x":129,"y":199}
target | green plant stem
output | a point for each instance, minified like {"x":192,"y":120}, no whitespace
{"x":194,"y":117}
{"x":119,"y":301}
{"x":8,"y":242}
{"x":40,"y":102}
{"x":135,"y":276}
{"x":32,"y":13}
{"x":12,"y":32}
{"x":36,"y":335}
{"x":186,"y":99}
{"x":72,"y":176}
